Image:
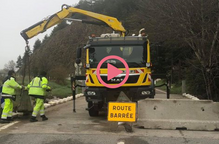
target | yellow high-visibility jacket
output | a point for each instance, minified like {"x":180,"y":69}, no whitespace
{"x":38,"y":87}
{"x":9,"y":87}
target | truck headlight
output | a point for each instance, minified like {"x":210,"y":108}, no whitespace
{"x":91,"y":93}
{"x":145,"y":93}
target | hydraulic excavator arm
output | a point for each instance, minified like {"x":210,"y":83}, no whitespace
{"x":66,"y":12}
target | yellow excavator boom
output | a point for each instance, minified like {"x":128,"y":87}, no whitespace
{"x":66,"y":12}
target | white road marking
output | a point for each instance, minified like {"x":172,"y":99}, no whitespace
{"x":121,"y":123}
{"x":121,"y":142}
{"x":160,"y":91}
{"x":8,"y":125}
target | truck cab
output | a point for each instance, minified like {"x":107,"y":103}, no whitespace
{"x":136,"y":52}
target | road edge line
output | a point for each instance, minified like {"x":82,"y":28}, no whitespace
{"x":8,"y":125}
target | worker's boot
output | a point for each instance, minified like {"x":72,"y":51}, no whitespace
{"x":10,"y":119}
{"x":4,"y":121}
{"x":44,"y":118}
{"x":33,"y":119}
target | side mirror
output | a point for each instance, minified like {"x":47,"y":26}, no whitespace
{"x":79,"y":53}
{"x":78,"y":60}
{"x":91,"y":50}
{"x":78,"y":57}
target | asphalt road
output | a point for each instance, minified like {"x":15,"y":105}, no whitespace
{"x":66,"y":127}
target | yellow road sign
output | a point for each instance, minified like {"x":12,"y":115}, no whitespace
{"x":122,"y":111}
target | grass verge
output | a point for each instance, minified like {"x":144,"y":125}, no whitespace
{"x":175,"y":88}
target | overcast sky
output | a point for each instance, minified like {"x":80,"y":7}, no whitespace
{"x":17,"y":15}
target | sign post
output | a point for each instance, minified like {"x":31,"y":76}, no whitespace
{"x":78,"y":73}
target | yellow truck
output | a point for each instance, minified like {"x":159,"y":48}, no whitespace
{"x":135,"y":50}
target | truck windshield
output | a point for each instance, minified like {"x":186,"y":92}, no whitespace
{"x":135,"y":56}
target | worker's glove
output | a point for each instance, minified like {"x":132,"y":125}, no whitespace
{"x":24,"y":88}
{"x":13,"y":98}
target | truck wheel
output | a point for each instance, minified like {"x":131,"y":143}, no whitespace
{"x":151,"y":96}
{"x":153,"y":90}
{"x":93,"y":111}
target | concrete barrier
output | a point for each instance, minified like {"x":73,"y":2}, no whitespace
{"x":178,"y":114}
{"x":190,"y":96}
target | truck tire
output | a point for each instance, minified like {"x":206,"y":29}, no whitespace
{"x":93,"y":111}
{"x":153,"y":89}
{"x":153,"y":94}
{"x":151,"y":97}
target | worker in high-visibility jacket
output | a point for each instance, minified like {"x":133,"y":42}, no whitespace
{"x":142,"y":32}
{"x":8,"y":94}
{"x":37,"y":88}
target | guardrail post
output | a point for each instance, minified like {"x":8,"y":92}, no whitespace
{"x":73,"y":92}
{"x":183,"y":86}
{"x":168,"y":89}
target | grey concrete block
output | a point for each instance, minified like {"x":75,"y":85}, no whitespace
{"x":178,"y":113}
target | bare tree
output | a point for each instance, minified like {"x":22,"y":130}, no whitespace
{"x":193,"y":22}
{"x":11,"y":65}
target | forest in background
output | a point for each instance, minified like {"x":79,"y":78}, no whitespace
{"x":183,"y":35}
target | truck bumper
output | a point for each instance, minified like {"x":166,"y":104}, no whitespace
{"x":99,"y":94}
